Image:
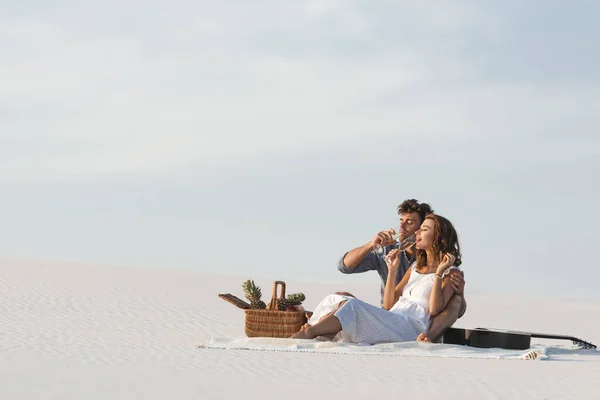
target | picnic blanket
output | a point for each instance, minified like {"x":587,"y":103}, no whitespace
{"x":414,"y":349}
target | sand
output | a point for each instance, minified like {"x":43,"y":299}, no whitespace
{"x":82,"y":331}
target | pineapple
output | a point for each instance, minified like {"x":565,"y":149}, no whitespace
{"x":282,"y":304}
{"x":293,"y":300}
{"x":296,"y":299}
{"x":253,"y":294}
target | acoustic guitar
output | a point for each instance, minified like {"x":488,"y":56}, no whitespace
{"x":487,"y":338}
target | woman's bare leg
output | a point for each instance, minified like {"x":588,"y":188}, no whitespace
{"x":326,"y":338}
{"x":345,"y":294}
{"x":307,"y":325}
{"x":326,"y":326}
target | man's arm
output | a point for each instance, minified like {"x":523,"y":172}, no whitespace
{"x":368,"y":262}
{"x":455,"y":309}
{"x":354,"y":257}
{"x":457,"y":279}
{"x":362,"y":259}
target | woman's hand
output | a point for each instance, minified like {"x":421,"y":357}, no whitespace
{"x":447,"y":261}
{"x":394,"y":257}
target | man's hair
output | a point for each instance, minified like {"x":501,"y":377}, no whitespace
{"x":413,"y":206}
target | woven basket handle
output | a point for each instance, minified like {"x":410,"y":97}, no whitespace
{"x":274,"y":304}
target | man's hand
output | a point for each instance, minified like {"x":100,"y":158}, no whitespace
{"x":457,"y":280}
{"x":384,"y":238}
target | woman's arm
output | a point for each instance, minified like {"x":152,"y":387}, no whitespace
{"x":388,"y":293}
{"x":440,"y":295}
{"x":392,"y":291}
{"x":442,"y":289}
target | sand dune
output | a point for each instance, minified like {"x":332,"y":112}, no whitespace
{"x":95,"y":332}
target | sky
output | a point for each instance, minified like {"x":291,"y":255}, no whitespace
{"x":267,"y":138}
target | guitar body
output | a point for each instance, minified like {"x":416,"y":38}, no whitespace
{"x":488,"y":338}
{"x":485,"y":338}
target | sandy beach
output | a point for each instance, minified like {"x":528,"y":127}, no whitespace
{"x":154,"y":155}
{"x":72,"y":331}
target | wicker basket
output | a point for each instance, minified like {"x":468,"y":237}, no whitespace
{"x":273,"y":323}
{"x":270,"y":322}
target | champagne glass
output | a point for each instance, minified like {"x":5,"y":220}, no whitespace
{"x":378,"y":249}
{"x":408,"y":242}
{"x":400,"y":244}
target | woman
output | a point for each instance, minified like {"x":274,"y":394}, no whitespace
{"x":423,"y":292}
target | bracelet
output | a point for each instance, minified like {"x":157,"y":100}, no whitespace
{"x":439,"y":276}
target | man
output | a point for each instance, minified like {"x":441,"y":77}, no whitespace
{"x":362,"y":259}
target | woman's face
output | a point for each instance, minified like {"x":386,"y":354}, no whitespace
{"x":425,"y":235}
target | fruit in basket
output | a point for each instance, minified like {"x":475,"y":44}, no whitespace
{"x":296,"y":299}
{"x":283,"y":303}
{"x":291,"y":308}
{"x":253,"y":294}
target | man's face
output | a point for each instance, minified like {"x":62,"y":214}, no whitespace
{"x":409,"y":224}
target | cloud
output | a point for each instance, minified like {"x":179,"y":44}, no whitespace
{"x":98,"y":89}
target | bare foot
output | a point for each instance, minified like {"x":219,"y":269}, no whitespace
{"x":300,"y":335}
{"x":326,"y":338}
{"x":423,"y":338}
{"x":305,"y":326}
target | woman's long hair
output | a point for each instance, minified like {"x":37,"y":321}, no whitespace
{"x":445,"y":240}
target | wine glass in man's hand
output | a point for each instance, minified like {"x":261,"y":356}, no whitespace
{"x":389,"y":237}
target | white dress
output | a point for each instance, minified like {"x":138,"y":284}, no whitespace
{"x":367,"y":324}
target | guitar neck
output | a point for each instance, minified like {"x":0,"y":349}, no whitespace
{"x":575,"y":340}
{"x":563,"y":337}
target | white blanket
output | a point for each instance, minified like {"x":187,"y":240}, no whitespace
{"x":417,"y":349}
